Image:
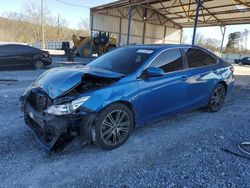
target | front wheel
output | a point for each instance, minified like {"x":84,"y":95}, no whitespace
{"x":112,"y":126}
{"x":217,"y":98}
{"x":85,"y":51}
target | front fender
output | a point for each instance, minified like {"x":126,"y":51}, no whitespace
{"x":101,"y":98}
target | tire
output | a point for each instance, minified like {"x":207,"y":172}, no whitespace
{"x":217,"y":98}
{"x":85,"y":51}
{"x":38,"y":64}
{"x":112,"y":126}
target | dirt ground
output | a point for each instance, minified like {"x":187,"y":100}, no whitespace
{"x":185,"y":150}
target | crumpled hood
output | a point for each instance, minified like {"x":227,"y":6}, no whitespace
{"x":57,"y":81}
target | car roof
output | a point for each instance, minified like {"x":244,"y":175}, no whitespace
{"x":21,"y":46}
{"x":162,"y":46}
{"x":15,"y":45}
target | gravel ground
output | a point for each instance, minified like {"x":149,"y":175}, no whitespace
{"x":184,"y":150}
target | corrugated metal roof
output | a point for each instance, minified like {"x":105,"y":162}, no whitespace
{"x":180,"y":13}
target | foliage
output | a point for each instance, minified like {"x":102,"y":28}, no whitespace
{"x":209,"y":43}
{"x":25,"y":26}
{"x":233,"y":41}
{"x":237,"y":42}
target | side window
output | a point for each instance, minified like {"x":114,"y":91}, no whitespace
{"x":7,"y":49}
{"x":24,"y":49}
{"x":198,"y":58}
{"x":169,"y":61}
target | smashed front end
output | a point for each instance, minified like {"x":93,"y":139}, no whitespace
{"x":57,"y":115}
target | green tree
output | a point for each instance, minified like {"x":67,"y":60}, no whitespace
{"x":233,"y":42}
{"x":244,"y":38}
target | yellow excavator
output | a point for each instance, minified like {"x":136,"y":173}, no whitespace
{"x":100,"y":43}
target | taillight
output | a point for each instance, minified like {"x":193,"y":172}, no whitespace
{"x":232,"y":69}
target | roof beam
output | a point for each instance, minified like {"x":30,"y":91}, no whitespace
{"x":215,"y":7}
{"x":171,"y":5}
{"x":159,"y":19}
{"x":157,"y":11}
{"x":202,"y":11}
{"x":183,"y":8}
{"x":167,"y":12}
{"x":152,"y":14}
{"x":137,"y":10}
{"x":216,"y":13}
{"x":120,"y":4}
{"x":179,"y":12}
{"x":189,"y":7}
{"x":246,"y":20}
{"x":120,"y":12}
{"x":243,"y":3}
{"x":185,"y":4}
{"x":211,"y":14}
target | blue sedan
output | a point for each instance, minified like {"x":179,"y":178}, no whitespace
{"x":123,"y":89}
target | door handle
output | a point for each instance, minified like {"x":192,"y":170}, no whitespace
{"x":184,"y":78}
{"x":215,"y":71}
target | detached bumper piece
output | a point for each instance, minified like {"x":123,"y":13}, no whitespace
{"x":54,"y":133}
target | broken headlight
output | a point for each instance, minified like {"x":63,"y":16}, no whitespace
{"x":67,"y":108}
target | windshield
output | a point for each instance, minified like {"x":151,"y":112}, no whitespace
{"x":123,"y":60}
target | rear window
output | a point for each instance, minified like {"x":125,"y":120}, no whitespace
{"x":197,"y":58}
{"x":122,"y":60}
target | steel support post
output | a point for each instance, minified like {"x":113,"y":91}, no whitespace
{"x":196,"y":20}
{"x":129,"y":23}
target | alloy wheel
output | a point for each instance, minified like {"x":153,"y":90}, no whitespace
{"x":218,"y":97}
{"x":115,"y":127}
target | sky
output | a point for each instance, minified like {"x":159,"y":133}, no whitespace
{"x":73,"y":14}
{"x":215,"y":32}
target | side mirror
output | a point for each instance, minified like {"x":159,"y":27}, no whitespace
{"x":152,"y":72}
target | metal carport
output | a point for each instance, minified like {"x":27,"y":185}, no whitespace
{"x":158,"y":21}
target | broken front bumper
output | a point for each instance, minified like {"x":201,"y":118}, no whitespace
{"x":55,"y":132}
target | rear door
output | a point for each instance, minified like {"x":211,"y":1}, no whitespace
{"x":11,"y":56}
{"x":25,"y":55}
{"x":164,"y":94}
{"x":202,"y":75}
{"x":6,"y":56}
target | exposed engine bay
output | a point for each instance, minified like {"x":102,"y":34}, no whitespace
{"x":88,"y":83}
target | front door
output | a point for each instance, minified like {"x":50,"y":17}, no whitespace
{"x":164,"y":94}
{"x":11,"y":56}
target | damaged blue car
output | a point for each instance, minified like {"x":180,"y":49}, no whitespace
{"x":123,"y":89}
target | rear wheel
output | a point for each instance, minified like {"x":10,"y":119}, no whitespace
{"x":38,"y":64}
{"x":217,"y":98}
{"x":85,"y":51}
{"x":113,"y":126}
